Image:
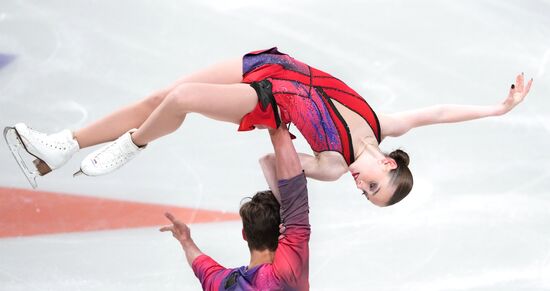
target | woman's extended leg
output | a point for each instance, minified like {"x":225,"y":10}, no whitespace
{"x":114,"y":125}
{"x":227,"y":103}
{"x":221,"y":102}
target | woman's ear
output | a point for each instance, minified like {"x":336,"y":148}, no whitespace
{"x":244,"y":235}
{"x":389,"y":162}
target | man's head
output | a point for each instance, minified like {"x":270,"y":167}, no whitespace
{"x":261,"y":221}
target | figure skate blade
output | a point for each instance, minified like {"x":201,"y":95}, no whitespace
{"x":21,"y":155}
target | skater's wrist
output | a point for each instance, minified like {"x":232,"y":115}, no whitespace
{"x":187,"y":242}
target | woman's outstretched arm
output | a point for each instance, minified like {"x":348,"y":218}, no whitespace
{"x":399,"y":123}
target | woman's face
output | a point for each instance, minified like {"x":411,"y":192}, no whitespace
{"x":372,"y":177}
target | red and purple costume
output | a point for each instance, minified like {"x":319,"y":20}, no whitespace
{"x":304,"y":96}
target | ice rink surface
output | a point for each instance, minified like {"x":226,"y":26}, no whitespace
{"x":478,"y":217}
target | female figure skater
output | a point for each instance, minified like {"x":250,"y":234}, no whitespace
{"x":267,"y":88}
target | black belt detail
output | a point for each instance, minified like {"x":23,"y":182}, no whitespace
{"x":265,"y":97}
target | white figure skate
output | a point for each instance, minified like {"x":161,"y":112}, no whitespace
{"x":46,"y":151}
{"x":110,"y":157}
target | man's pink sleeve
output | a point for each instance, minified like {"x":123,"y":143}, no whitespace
{"x":291,"y":262}
{"x":209,"y":272}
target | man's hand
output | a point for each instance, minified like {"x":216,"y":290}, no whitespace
{"x":179,"y":229}
{"x":282,"y":229}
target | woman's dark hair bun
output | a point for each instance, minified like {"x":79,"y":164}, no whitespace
{"x":401,"y":176}
{"x":400,"y":157}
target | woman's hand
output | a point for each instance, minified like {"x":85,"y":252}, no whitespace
{"x":517,"y":93}
{"x":179,"y":229}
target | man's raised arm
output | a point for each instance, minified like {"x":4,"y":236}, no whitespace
{"x":291,"y":261}
{"x":287,"y":162}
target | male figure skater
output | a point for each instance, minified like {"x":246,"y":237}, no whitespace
{"x":276,"y":263}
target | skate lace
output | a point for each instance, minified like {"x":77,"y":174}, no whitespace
{"x":114,"y":154}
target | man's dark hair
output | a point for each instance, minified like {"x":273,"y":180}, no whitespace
{"x":261,"y":221}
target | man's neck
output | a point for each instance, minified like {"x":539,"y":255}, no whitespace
{"x":260,"y":257}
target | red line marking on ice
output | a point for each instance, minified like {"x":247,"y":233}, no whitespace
{"x":25,"y":212}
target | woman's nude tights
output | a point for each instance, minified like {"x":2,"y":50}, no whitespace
{"x":216,"y":92}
